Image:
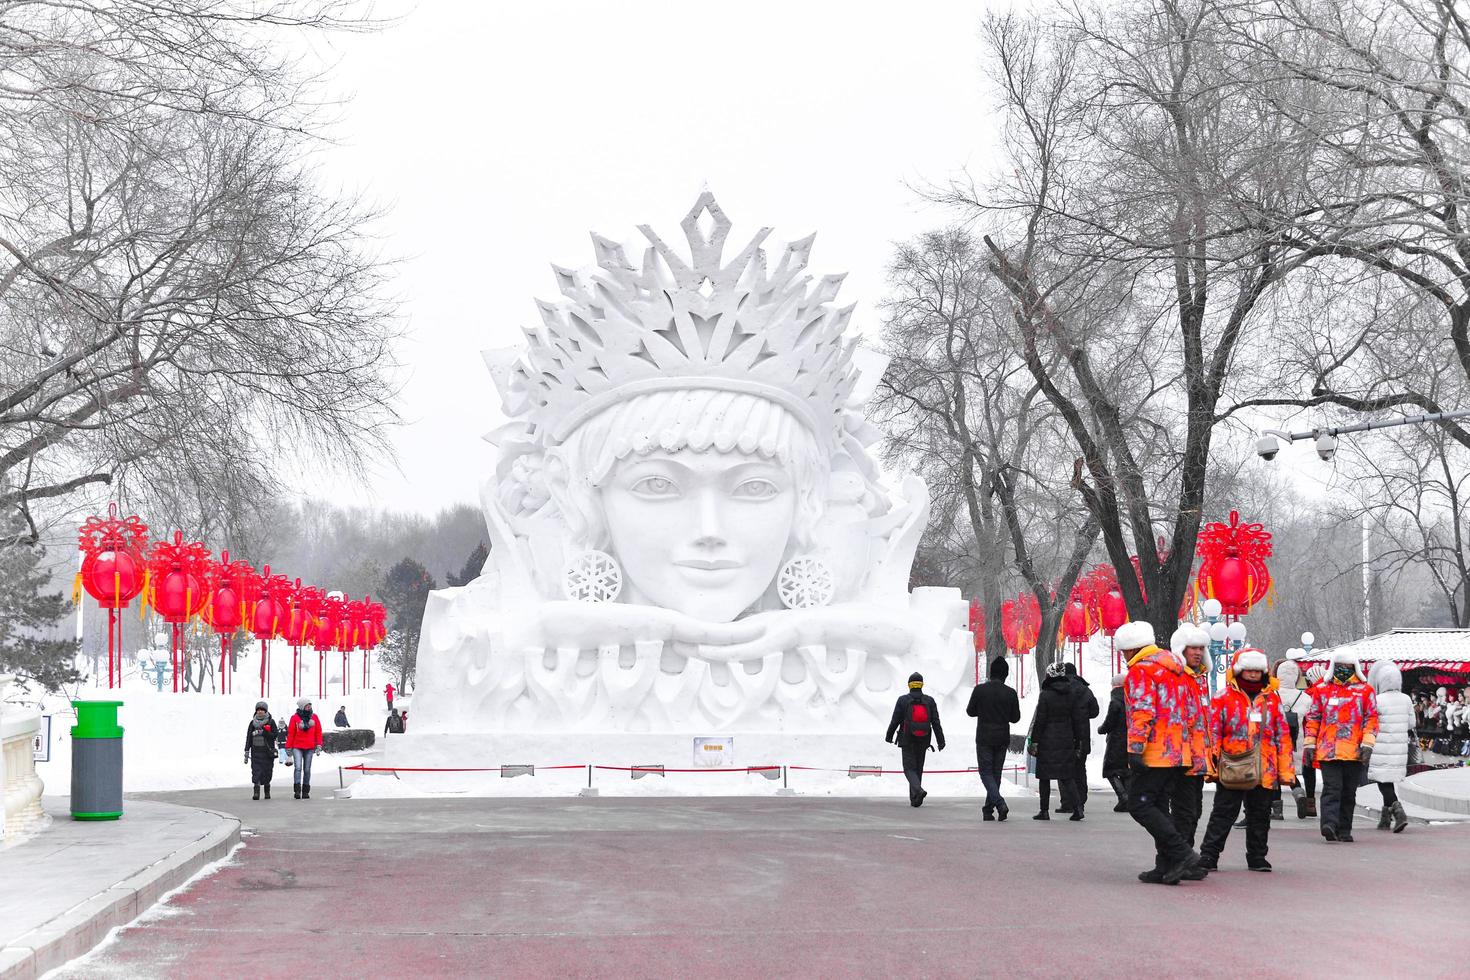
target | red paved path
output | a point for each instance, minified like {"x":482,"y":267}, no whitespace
{"x":781,"y":887}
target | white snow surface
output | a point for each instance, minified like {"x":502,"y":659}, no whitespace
{"x":196,"y":740}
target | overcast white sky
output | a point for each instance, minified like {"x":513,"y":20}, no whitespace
{"x":500,"y":134}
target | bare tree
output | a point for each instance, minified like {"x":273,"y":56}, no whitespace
{"x":958,"y":403}
{"x":182,"y":308}
{"x":1387,"y":105}
{"x":1127,"y":229}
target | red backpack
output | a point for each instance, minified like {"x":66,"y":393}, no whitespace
{"x":918,"y":719}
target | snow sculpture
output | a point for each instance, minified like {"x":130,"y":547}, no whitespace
{"x":688,"y":533}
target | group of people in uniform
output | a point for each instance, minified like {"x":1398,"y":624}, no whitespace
{"x":1248,"y":740}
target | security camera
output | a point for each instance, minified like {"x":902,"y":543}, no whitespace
{"x":1267,"y":447}
{"x":1326,"y":446}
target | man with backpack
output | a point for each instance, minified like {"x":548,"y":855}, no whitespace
{"x":394,"y":724}
{"x":915,"y":722}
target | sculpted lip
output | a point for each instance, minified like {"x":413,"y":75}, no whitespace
{"x":708,"y":563}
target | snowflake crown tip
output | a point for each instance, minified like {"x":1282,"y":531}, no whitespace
{"x":683,"y":322}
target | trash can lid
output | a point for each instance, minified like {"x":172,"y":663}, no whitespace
{"x":96,"y":719}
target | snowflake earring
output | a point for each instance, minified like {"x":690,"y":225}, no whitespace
{"x":804,"y":583}
{"x":593,"y":576}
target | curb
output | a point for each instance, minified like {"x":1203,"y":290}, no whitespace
{"x":1431,"y":800}
{"x":76,"y":931}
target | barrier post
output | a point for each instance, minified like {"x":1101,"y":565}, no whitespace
{"x":341,"y":784}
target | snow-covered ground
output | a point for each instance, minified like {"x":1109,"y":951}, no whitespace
{"x":196,"y":740}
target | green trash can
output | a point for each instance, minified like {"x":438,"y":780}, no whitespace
{"x":96,"y":761}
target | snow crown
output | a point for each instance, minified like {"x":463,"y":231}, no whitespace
{"x":621,"y":331}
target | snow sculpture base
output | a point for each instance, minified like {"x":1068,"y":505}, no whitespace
{"x":819,"y":751}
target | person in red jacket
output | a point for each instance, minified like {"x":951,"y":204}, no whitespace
{"x":389,"y":692}
{"x":304,"y":739}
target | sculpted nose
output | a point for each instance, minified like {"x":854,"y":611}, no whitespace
{"x":710,"y":527}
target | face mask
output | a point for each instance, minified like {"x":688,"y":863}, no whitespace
{"x":1343,"y":673}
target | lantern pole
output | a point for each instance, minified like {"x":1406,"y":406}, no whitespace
{"x":111,"y":635}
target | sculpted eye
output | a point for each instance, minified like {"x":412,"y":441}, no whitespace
{"x":757,"y":490}
{"x":655,"y":486}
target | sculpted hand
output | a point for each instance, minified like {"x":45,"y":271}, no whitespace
{"x":587,"y":625}
{"x":878,"y":631}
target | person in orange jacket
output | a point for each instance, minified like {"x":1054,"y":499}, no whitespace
{"x":1248,"y":713}
{"x":1165,"y":741}
{"x":1187,"y":801}
{"x":1340,"y":730}
{"x":1316,"y":677}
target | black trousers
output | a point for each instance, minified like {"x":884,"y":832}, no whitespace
{"x":1043,"y":792}
{"x":1309,"y":779}
{"x":1149,"y":790}
{"x":913,"y":769}
{"x":1389,"y":793}
{"x":1186,"y":803}
{"x":261,"y":766}
{"x":1339,"y":794}
{"x":1074,"y":790}
{"x":990,"y":760}
{"x":1226,"y":811}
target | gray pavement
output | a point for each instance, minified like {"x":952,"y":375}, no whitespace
{"x":64,"y":889}
{"x":781,"y":887}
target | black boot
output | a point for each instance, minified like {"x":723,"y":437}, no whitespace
{"x":306,"y":791}
{"x":267,"y":790}
{"x":296,"y":788}
{"x":256,"y":794}
{"x":1278,"y":809}
{"x":1077,"y":813}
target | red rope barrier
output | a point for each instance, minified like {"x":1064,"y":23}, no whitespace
{"x":663,"y":769}
{"x":580,"y":765}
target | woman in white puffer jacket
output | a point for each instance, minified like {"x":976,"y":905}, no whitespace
{"x":1390,"y":760}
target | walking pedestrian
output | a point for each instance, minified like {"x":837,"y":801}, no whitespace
{"x":1165,"y":740}
{"x":1076,"y":790}
{"x":1254,"y":745}
{"x":1294,"y":704}
{"x":1390,"y":762}
{"x":1316,"y":677}
{"x":260,"y":749}
{"x":304,"y":739}
{"x":341,"y":720}
{"x":388,"y":691}
{"x":394,"y":724}
{"x":1115,"y":754}
{"x":995,"y":707}
{"x":1342,"y":725}
{"x":1187,"y":797}
{"x":1058,"y":729}
{"x":915,"y":723}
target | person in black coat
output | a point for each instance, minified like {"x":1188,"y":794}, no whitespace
{"x":1115,"y":756}
{"x":341,"y":720}
{"x":915,"y":721}
{"x":995,"y":707}
{"x":1087,"y":704}
{"x":260,"y":749}
{"x":1058,"y":732}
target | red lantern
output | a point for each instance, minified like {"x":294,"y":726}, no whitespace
{"x":1074,"y":622}
{"x":267,"y":616}
{"x":114,"y":572}
{"x":177,"y":572}
{"x":324,"y":635}
{"x":1233,"y":564}
{"x":228,"y":585}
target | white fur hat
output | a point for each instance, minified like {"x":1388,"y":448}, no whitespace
{"x":1344,"y":656}
{"x":1249,"y":659}
{"x":1188,"y":635}
{"x":1134,"y":636}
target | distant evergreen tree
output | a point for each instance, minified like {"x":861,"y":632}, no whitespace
{"x":405,"y":590}
{"x":28,"y":618}
{"x":471,"y":569}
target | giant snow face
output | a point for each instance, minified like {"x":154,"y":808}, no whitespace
{"x":687,"y":529}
